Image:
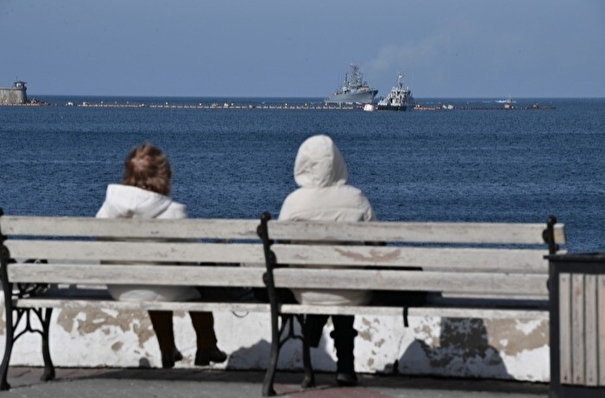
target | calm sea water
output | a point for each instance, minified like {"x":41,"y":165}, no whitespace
{"x":460,"y":165}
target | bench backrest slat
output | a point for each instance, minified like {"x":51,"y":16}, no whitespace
{"x":485,"y":259}
{"x":143,"y":251}
{"x":467,"y":260}
{"x":129,"y":228}
{"x":136,"y":274}
{"x":470,"y":282}
{"x":436,"y":232}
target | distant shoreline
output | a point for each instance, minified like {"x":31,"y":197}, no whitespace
{"x":260,"y":104}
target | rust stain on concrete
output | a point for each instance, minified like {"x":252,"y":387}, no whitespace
{"x":509,"y":336}
{"x":368,"y":330}
{"x":117,"y":346}
{"x":96,"y":319}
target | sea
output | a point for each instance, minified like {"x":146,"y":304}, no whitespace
{"x":234,"y":157}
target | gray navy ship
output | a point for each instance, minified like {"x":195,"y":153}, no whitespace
{"x":399,"y":99}
{"x":353,"y":91}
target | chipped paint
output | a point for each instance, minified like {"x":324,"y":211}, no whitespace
{"x":488,"y":348}
{"x":519,"y":336}
{"x":92,"y":320}
{"x":374,"y":256}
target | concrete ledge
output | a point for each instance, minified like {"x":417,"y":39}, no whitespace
{"x":503,"y":349}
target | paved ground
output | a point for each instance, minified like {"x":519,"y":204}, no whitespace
{"x":147,"y":383}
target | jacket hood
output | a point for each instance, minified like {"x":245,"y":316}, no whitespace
{"x":319,"y":164}
{"x":133,"y":202}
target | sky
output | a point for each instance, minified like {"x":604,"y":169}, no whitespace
{"x":280,"y":48}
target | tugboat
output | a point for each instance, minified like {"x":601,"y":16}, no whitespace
{"x":399,"y":99}
{"x":353,"y":91}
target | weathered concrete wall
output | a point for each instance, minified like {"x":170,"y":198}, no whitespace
{"x":13,"y":96}
{"x":502,"y":348}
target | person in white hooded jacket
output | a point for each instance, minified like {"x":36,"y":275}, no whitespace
{"x":143,"y":193}
{"x":323,"y":194}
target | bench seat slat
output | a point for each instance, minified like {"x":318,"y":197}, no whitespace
{"x":41,"y":302}
{"x":467,"y":282}
{"x":115,"y":274}
{"x":143,"y":251}
{"x":498,"y":260}
{"x":129,"y":228}
{"x":436,"y":232}
{"x":447,"y":312}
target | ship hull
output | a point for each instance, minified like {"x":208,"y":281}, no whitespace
{"x":352,"y":98}
{"x":392,"y":107}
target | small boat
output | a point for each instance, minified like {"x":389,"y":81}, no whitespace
{"x":399,"y":99}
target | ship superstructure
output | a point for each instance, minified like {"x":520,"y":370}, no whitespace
{"x":400,"y":98}
{"x":354,"y":90}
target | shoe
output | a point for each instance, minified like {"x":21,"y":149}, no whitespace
{"x":203,"y":357}
{"x":346,"y":379}
{"x":168,"y":360}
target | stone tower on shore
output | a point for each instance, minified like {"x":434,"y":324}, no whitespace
{"x":16,"y":95}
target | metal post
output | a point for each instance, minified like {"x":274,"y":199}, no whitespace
{"x":309,"y":380}
{"x":549,"y":235}
{"x":270,"y":261}
{"x":49,"y":368}
{"x":7,"y":289}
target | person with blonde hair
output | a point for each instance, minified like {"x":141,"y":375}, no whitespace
{"x":143,"y":193}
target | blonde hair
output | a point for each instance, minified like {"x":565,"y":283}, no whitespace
{"x":147,"y":167}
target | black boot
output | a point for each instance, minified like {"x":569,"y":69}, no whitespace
{"x":344,"y":336}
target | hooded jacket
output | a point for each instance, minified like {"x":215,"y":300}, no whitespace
{"x":323,"y":195}
{"x":124,"y":201}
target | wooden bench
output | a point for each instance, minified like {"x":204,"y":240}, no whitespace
{"x":74,"y":248}
{"x":475,"y":269}
{"x":479,"y":269}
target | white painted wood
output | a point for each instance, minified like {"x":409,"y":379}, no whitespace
{"x":445,"y":312}
{"x":239,"y":308}
{"x":129,"y":228}
{"x":506,"y":260}
{"x":565,"y":324}
{"x":470,"y":282}
{"x":170,"y":275}
{"x":139,"y":251}
{"x":591,"y":346}
{"x":507,"y":295}
{"x":578,"y":341}
{"x":601,"y":327}
{"x":438,"y":232}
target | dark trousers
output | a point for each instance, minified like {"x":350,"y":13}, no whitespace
{"x":203,"y":324}
{"x":343,"y":335}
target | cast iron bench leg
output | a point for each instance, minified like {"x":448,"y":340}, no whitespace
{"x":49,"y":368}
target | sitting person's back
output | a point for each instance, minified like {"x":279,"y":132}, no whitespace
{"x":143,"y":193}
{"x":323,"y":195}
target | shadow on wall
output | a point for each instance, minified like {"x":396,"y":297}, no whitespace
{"x":258,"y":355}
{"x":462,"y":349}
